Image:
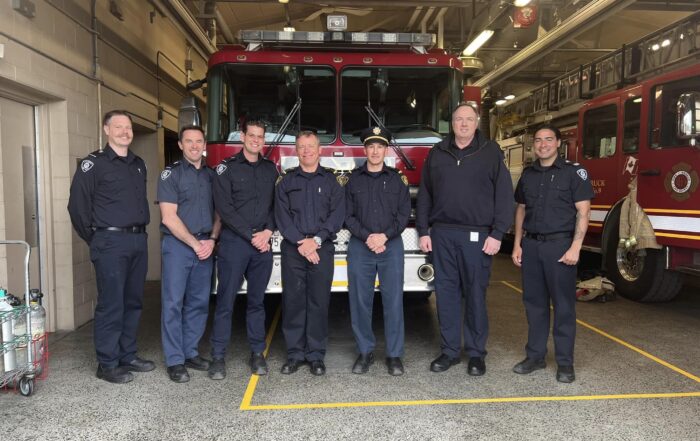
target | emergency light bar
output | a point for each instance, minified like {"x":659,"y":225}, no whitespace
{"x":415,"y":40}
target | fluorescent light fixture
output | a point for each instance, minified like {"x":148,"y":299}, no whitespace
{"x":479,"y":41}
{"x":500,"y":102}
{"x":666,"y":43}
{"x":289,"y":29}
{"x":521,"y":3}
{"x":510,"y":97}
{"x":655,"y":47}
{"x":284,"y":2}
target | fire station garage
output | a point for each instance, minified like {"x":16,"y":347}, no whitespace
{"x":350,"y":94}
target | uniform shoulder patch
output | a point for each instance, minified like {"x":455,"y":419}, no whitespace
{"x":582,"y":173}
{"x":404,"y":179}
{"x":342,"y":179}
{"x":165,"y":174}
{"x":86,"y":165}
{"x":220,"y":169}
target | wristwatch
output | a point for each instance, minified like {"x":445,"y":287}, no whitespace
{"x":318,"y":241}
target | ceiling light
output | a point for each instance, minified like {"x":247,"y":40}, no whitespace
{"x":284,"y":2}
{"x":500,"y":102}
{"x":666,"y":43}
{"x":510,"y":97}
{"x":479,"y":41}
{"x":521,"y":3}
{"x":655,"y":47}
{"x":289,"y":29}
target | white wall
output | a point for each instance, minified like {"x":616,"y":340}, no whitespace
{"x":48,"y":61}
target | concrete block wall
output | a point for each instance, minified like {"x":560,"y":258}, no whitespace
{"x":49,"y":62}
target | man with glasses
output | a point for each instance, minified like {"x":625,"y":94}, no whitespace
{"x":377,"y":210}
{"x":309,"y":210}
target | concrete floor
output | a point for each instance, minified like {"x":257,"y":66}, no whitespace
{"x":618,"y":395}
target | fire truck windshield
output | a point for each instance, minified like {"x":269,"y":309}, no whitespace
{"x":413,"y":103}
{"x":269,"y":92}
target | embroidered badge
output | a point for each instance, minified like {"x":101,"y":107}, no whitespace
{"x":220,"y":169}
{"x":86,"y":165}
{"x":165,"y":174}
{"x":404,"y":179}
{"x":582,"y":173}
{"x":342,"y":180}
{"x":376,"y":130}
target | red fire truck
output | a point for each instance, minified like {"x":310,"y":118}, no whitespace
{"x":336,"y":83}
{"x":632,"y":118}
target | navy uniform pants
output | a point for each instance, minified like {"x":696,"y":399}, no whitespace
{"x":462,"y":270}
{"x":236,"y":259}
{"x":305,"y":298}
{"x":121,"y":263}
{"x":185,"y":286}
{"x":363,"y":267}
{"x":544,"y":280}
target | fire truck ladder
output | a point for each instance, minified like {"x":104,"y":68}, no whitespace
{"x":674,"y":44}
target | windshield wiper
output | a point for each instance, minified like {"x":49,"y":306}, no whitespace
{"x":283,"y":129}
{"x":397,"y":149}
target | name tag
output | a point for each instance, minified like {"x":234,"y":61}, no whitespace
{"x":474,"y":236}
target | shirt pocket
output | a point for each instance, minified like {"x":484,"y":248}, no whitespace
{"x":560,"y":193}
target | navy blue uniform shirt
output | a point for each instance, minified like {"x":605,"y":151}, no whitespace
{"x":183,"y":184}
{"x":108,"y":190}
{"x":549,"y":195}
{"x":309,"y":204}
{"x":466,"y":188}
{"x":377,"y":202}
{"x":244,"y":194}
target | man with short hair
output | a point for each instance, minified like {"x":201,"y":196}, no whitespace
{"x":244,"y":191}
{"x":377,"y":210}
{"x":309,"y":209}
{"x":109,"y":211}
{"x":551,"y":219}
{"x":464,"y":207}
{"x":190,"y":227}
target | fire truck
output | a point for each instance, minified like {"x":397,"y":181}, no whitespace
{"x":632,"y":119}
{"x":335,"y":83}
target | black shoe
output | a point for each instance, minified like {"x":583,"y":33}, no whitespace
{"x":565,"y":374}
{"x":443,"y":363}
{"x":217,"y":369}
{"x":362,"y":364}
{"x":257,"y":363}
{"x":138,"y":365}
{"x":198,"y":363}
{"x":394,"y":366}
{"x":528,"y":366}
{"x":476,"y":366}
{"x":178,"y":373}
{"x":114,"y":375}
{"x":317,"y":367}
{"x":291,"y":366}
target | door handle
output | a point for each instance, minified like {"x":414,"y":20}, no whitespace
{"x":650,"y":172}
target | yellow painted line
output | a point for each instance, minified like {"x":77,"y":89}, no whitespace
{"x":595,"y":224}
{"x":678,"y":236}
{"x":668,"y":210}
{"x":601,"y":206}
{"x":253,"y":382}
{"x":625,"y":344}
{"x":339,"y":283}
{"x":471,"y":401}
{"x":341,"y":262}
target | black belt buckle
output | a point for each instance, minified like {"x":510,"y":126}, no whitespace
{"x":541,"y":237}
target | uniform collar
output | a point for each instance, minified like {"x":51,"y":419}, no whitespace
{"x":240,"y":157}
{"x":111,"y":154}
{"x":559,"y":162}
{"x":366,"y":171}
{"x":202,"y":166}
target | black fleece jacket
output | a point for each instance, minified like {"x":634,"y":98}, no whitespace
{"x":472,"y":190}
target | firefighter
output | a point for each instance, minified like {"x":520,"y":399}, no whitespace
{"x":377,"y":209}
{"x":551,"y":219}
{"x":464,"y":207}
{"x":109,"y":211}
{"x":309,"y":209}
{"x":244,"y":190}
{"x":190,"y":228}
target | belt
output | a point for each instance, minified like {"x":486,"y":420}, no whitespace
{"x":547,"y":237}
{"x":134,"y":229}
{"x":461,"y":227}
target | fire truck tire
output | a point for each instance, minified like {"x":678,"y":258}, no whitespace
{"x":641,"y":275}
